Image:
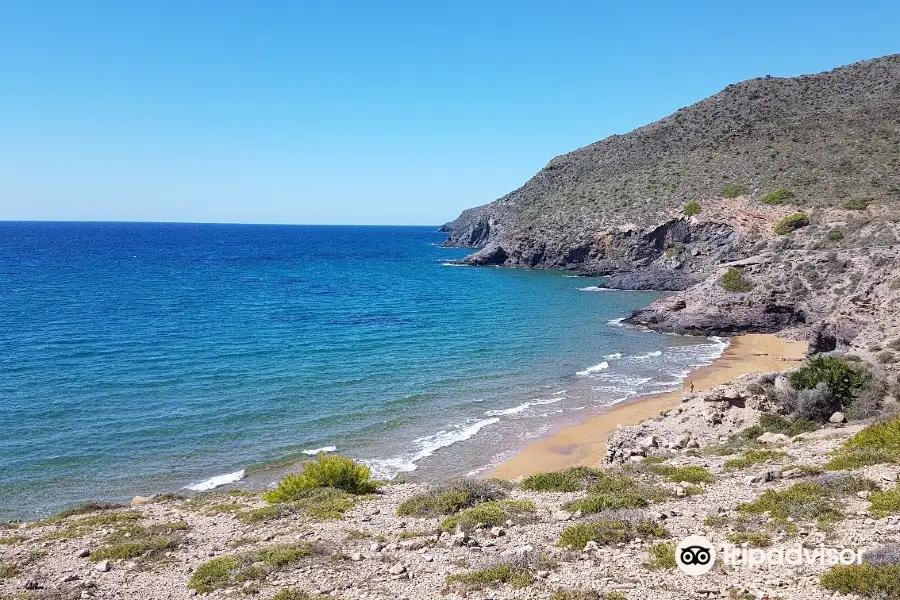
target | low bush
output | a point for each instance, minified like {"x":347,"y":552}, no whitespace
{"x":662,"y":556}
{"x":866,"y":580}
{"x":611,"y":528}
{"x":835,"y":235}
{"x":295,"y":594}
{"x":733,"y":190}
{"x":318,"y":503}
{"x":326,"y":471}
{"x":567,"y":480}
{"x":489,"y":514}
{"x":692,"y":208}
{"x":679,"y":474}
{"x":135,"y":541}
{"x":778,"y":196}
{"x":884,"y":555}
{"x":856,"y":204}
{"x":752,"y":539}
{"x":8,"y":570}
{"x":503,"y":573}
{"x":802,"y":501}
{"x":584,"y":594}
{"x":792,"y":223}
{"x":876,"y":444}
{"x":224,"y":571}
{"x":450,"y":498}
{"x":733,"y":281}
{"x":885,"y":503}
{"x":754,"y":457}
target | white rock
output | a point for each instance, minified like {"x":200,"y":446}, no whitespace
{"x":837,"y":417}
{"x":397,"y":569}
{"x":356,"y":557}
{"x":680,"y":492}
{"x":864,"y":494}
{"x":103,"y":566}
{"x":562,"y":515}
{"x":376,"y":547}
{"x":774,"y":439}
{"x":497,"y":532}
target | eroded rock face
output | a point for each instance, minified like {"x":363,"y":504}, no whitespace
{"x":614,"y":208}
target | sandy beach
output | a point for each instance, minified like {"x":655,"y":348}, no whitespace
{"x":585,"y":444}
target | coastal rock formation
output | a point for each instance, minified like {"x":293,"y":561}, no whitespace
{"x":822,"y":151}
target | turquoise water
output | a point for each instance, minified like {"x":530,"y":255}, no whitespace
{"x":137,"y":358}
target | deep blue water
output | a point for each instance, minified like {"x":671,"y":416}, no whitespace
{"x":136,"y":358}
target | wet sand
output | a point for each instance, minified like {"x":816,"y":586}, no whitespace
{"x":585,"y":444}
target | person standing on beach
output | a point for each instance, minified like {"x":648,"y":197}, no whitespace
{"x":692,"y":387}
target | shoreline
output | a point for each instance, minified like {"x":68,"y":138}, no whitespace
{"x":584,"y":444}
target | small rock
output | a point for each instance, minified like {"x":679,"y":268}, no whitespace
{"x":591,"y":546}
{"x":837,"y":417}
{"x":103,"y":566}
{"x":31,"y":584}
{"x":376,"y":547}
{"x":649,"y":442}
{"x":356,"y":557}
{"x":397,"y":569}
{"x":138,"y":500}
{"x":562,"y":515}
{"x":774,"y":439}
{"x":497,"y":532}
{"x":680,"y":492}
{"x":84,"y":553}
{"x":792,"y":473}
{"x":864,"y":494}
{"x":543,"y":574}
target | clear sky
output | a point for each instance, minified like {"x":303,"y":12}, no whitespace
{"x":375,"y":112}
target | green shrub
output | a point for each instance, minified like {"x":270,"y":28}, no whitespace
{"x":450,"y":498}
{"x":326,"y":471}
{"x":224,"y":571}
{"x":885,"y":503}
{"x":791,"y":223}
{"x":733,"y":190}
{"x":802,"y":501}
{"x":835,"y":235}
{"x":844,"y":380}
{"x":134,"y":541}
{"x":753,"y":539}
{"x":568,"y":480}
{"x":679,"y":474}
{"x":294,"y":594}
{"x":778,"y":196}
{"x":692,"y":208}
{"x":771,"y":422}
{"x":489,"y":514}
{"x":516,"y":576}
{"x":733,"y":281}
{"x":8,"y":570}
{"x":882,"y":582}
{"x":754,"y":457}
{"x":585,"y":594}
{"x":608,"y":532}
{"x":662,"y":556}
{"x":856,"y":204}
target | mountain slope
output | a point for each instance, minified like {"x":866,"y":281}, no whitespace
{"x":615,"y":207}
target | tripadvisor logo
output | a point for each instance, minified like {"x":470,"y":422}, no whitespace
{"x":695,"y":555}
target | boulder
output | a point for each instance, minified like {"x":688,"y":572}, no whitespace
{"x":837,"y":417}
{"x":773,"y":439}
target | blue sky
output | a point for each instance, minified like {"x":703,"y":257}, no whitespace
{"x":362,"y":112}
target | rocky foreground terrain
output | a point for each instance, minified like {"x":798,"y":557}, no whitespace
{"x":727,"y":463}
{"x":793,"y":182}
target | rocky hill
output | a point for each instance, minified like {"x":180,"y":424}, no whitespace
{"x":825,"y":145}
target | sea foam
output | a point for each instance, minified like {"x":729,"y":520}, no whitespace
{"x":217,"y":481}
{"x":595,"y":369}
{"x":316,"y":451}
{"x":388,"y":468}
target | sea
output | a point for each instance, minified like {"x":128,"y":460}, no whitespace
{"x":138,"y":358}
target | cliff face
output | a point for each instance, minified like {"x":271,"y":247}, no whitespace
{"x":615,"y":207}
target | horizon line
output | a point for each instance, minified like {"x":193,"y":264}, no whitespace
{"x":135,"y":222}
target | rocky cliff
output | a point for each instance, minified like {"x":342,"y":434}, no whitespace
{"x":825,"y":145}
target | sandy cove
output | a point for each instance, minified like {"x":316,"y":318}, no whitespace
{"x":585,"y":444}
